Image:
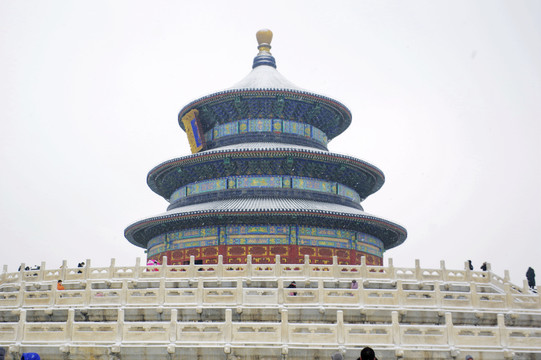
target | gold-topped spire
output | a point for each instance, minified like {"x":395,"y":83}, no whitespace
{"x":264,"y":38}
{"x":264,"y":57}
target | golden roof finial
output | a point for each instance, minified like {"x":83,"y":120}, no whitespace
{"x":264,"y":38}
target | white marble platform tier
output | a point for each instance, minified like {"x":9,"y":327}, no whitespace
{"x":246,"y":311}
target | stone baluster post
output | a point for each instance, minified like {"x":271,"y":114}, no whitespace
{"x":284,"y":325}
{"x":87,"y":293}
{"x":87,"y":272}
{"x":363,"y":267}
{"x":400,"y":293}
{"x":112,"y":268}
{"x":335,"y":269}
{"x":449,"y":329}
{"x":277,"y":266}
{"x":138,"y":269}
{"x":64,"y":269}
{"x":228,"y":326}
{"x":41,"y":273}
{"x":340,"y":330}
{"x":506,"y":276}
{"x":21,"y":273}
{"x":509,"y":303}
{"x":173,"y":326}
{"x":437,"y":293}
{"x":395,"y":328}
{"x":444,"y":274}
{"x":124,"y":293}
{"x":3,"y":276}
{"x":390,"y":268}
{"x":191,"y":268}
{"x":249,"y":266}
{"x":418,"y":271}
{"x":52,"y":294}
{"x":120,"y":326}
{"x":239,"y":294}
{"x":199,"y":292}
{"x":306,"y":266}
{"x":320,"y":292}
{"x":525,"y":286}
{"x":281,"y":292}
{"x":468,"y":271}
{"x":220,"y":267}
{"x":504,"y":339}
{"x":361,"y":292}
{"x":474,"y":295}
{"x":161,"y":292}
{"x":21,"y":325}
{"x":488,"y":273}
{"x":70,"y":328}
{"x":163,"y":267}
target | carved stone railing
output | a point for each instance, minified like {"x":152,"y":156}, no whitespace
{"x":201,"y":295}
{"x":234,"y":333}
{"x":317,"y":285}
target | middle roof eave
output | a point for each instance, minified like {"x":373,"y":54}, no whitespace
{"x":261,"y":151}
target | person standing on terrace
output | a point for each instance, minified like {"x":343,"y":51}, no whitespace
{"x":530,"y":275}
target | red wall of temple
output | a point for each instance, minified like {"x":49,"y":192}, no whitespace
{"x":265,"y":254}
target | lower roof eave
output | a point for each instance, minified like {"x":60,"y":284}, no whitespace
{"x":390,"y":233}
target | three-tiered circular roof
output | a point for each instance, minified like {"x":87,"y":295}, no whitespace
{"x":288,"y":141}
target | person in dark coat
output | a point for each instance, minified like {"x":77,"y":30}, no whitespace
{"x":470,"y":264}
{"x":530,"y":275}
{"x":292,"y":285}
{"x":368,"y":354}
{"x":484,"y":266}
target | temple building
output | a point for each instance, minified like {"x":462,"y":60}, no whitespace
{"x":261,"y":181}
{"x":265,"y":253}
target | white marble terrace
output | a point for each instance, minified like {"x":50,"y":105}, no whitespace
{"x":246,"y":311}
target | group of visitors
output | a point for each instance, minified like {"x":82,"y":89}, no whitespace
{"x":483,"y":267}
{"x":530,"y":274}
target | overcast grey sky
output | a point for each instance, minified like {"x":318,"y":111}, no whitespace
{"x":445,"y":96}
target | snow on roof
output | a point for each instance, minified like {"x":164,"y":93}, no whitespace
{"x":267,"y":145}
{"x":267,"y":204}
{"x":265,"y":77}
